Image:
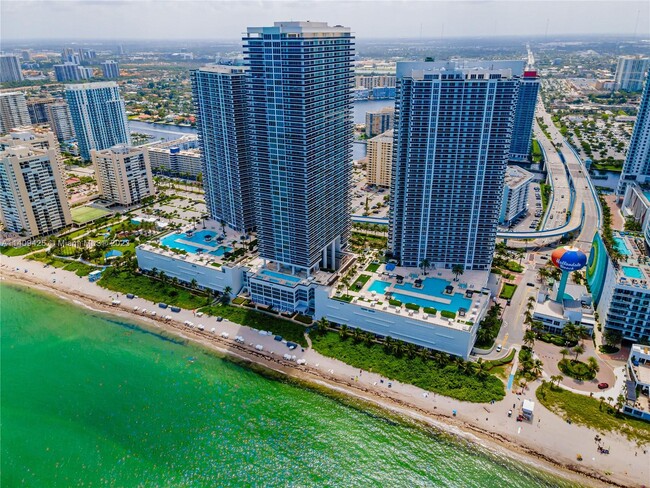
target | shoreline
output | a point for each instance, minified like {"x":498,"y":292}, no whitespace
{"x":388,"y":402}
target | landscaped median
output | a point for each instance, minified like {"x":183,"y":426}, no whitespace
{"x":507,"y":291}
{"x":452,"y":378}
{"x":596,"y":414}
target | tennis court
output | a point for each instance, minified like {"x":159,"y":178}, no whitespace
{"x":84,"y":214}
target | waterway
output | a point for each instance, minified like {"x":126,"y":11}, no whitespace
{"x":90,"y":400}
{"x":170,"y":132}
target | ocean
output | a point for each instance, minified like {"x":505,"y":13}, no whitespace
{"x":88,"y":399}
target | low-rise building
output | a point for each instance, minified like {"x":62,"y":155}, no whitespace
{"x":380,"y":159}
{"x":576,"y":308}
{"x":638,"y":370}
{"x":180,"y":158}
{"x":123,"y":174}
{"x":620,"y":285}
{"x":32,"y":197}
{"x":515,"y":194}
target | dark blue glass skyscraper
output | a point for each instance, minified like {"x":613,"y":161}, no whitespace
{"x":219,"y":94}
{"x":299,"y":87}
{"x":453,"y":130}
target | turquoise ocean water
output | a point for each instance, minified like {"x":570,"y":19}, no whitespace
{"x":88,"y":400}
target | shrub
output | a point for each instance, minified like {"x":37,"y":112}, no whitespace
{"x":395,"y":303}
{"x":576,"y":369}
{"x":447,"y":314}
{"x":412,"y":306}
{"x":430,"y":311}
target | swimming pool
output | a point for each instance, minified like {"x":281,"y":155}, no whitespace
{"x":621,"y":246}
{"x":633,"y":272}
{"x":430,"y":286}
{"x":205,"y":246}
{"x":281,"y":276}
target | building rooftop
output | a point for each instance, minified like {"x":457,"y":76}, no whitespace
{"x":633,"y":268}
{"x":467,"y":299}
{"x":516,"y":177}
{"x":223,"y":69}
{"x":384,"y":137}
{"x":90,"y":86}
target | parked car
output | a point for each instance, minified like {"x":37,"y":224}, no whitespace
{"x":603,"y":386}
{"x":499,"y":347}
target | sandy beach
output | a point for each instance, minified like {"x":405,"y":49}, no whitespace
{"x":547,"y":443}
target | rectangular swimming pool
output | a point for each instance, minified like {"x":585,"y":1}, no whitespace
{"x":281,"y":276}
{"x":633,"y":272}
{"x":621,"y":246}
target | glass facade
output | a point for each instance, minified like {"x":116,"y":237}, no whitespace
{"x":637,"y":162}
{"x":453,"y":134}
{"x":219,"y":94}
{"x":523,"y":128}
{"x":299,"y":86}
{"x":98,"y":115}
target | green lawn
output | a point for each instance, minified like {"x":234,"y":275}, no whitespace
{"x":576,"y":369}
{"x":507,"y":291}
{"x":588,"y":411}
{"x":261,"y":321}
{"x":19,"y":251}
{"x":83,"y":214}
{"x":372,"y":267}
{"x":361,"y":280}
{"x":150,"y":289}
{"x":424,"y":373}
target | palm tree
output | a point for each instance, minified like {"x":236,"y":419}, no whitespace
{"x":225,"y":297}
{"x":481,"y":368}
{"x":620,"y":401}
{"x":565,"y":352}
{"x":529,"y":338}
{"x":579,"y":349}
{"x":570,"y":331}
{"x":557,"y":379}
{"x":410,"y":350}
{"x":536,"y":368}
{"x":520,"y":252}
{"x":592,"y":364}
{"x":388,"y":343}
{"x":457,"y":270}
{"x":322,"y":326}
{"x":343,"y":332}
{"x":528,"y":317}
{"x":193,"y":283}
{"x":162,"y":275}
{"x":356,"y":335}
{"x":424,"y":264}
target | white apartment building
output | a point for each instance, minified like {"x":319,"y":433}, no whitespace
{"x":123,"y":174}
{"x":630,"y":72}
{"x":32,"y":191}
{"x":13,"y":111}
{"x":58,"y":116}
{"x":515,"y":194}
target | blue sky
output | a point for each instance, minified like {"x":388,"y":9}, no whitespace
{"x":208,"y":19}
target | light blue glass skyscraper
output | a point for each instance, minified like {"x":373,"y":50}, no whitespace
{"x":453,"y":130}
{"x":299,"y":87}
{"x":637,"y":161}
{"x":98,"y":115}
{"x":522,"y":131}
{"x":219,"y":94}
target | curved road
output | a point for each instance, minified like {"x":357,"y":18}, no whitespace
{"x":586,"y":214}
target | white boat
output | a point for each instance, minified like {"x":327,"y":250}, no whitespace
{"x":301,"y":361}
{"x":144,"y":310}
{"x":136,"y":308}
{"x":116,"y":302}
{"x":225,"y":335}
{"x":259,"y":347}
{"x":201,"y":327}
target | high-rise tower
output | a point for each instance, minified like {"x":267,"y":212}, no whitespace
{"x":219,"y":94}
{"x":453,"y":131}
{"x":637,"y":161}
{"x":299,"y":87}
{"x":98,"y":115}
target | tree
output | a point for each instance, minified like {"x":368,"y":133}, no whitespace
{"x":193,"y":283}
{"x":424,"y":264}
{"x":481,"y":368}
{"x":565,"y":352}
{"x":557,"y":379}
{"x":592,"y":364}
{"x":620,"y":401}
{"x":612,"y":338}
{"x":536,"y":368}
{"x":343,"y":332}
{"x":570,"y":332}
{"x":579,"y":349}
{"x":321,"y":326}
{"x":410,"y":350}
{"x":225,"y":298}
{"x":529,"y":338}
{"x":457,"y":270}
{"x":356,"y":335}
{"x":520,"y":252}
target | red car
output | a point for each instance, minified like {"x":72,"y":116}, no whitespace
{"x":603,"y":386}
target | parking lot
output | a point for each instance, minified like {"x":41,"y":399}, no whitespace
{"x":376,"y":198}
{"x":530,"y":220}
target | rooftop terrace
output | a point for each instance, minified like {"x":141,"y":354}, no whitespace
{"x":634,"y":267}
{"x":434,"y":297}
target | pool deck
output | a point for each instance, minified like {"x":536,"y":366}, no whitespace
{"x":424,"y":296}
{"x":636,"y":259}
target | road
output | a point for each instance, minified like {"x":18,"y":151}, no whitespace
{"x":586,"y":214}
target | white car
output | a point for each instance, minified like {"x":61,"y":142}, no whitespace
{"x":499,"y":347}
